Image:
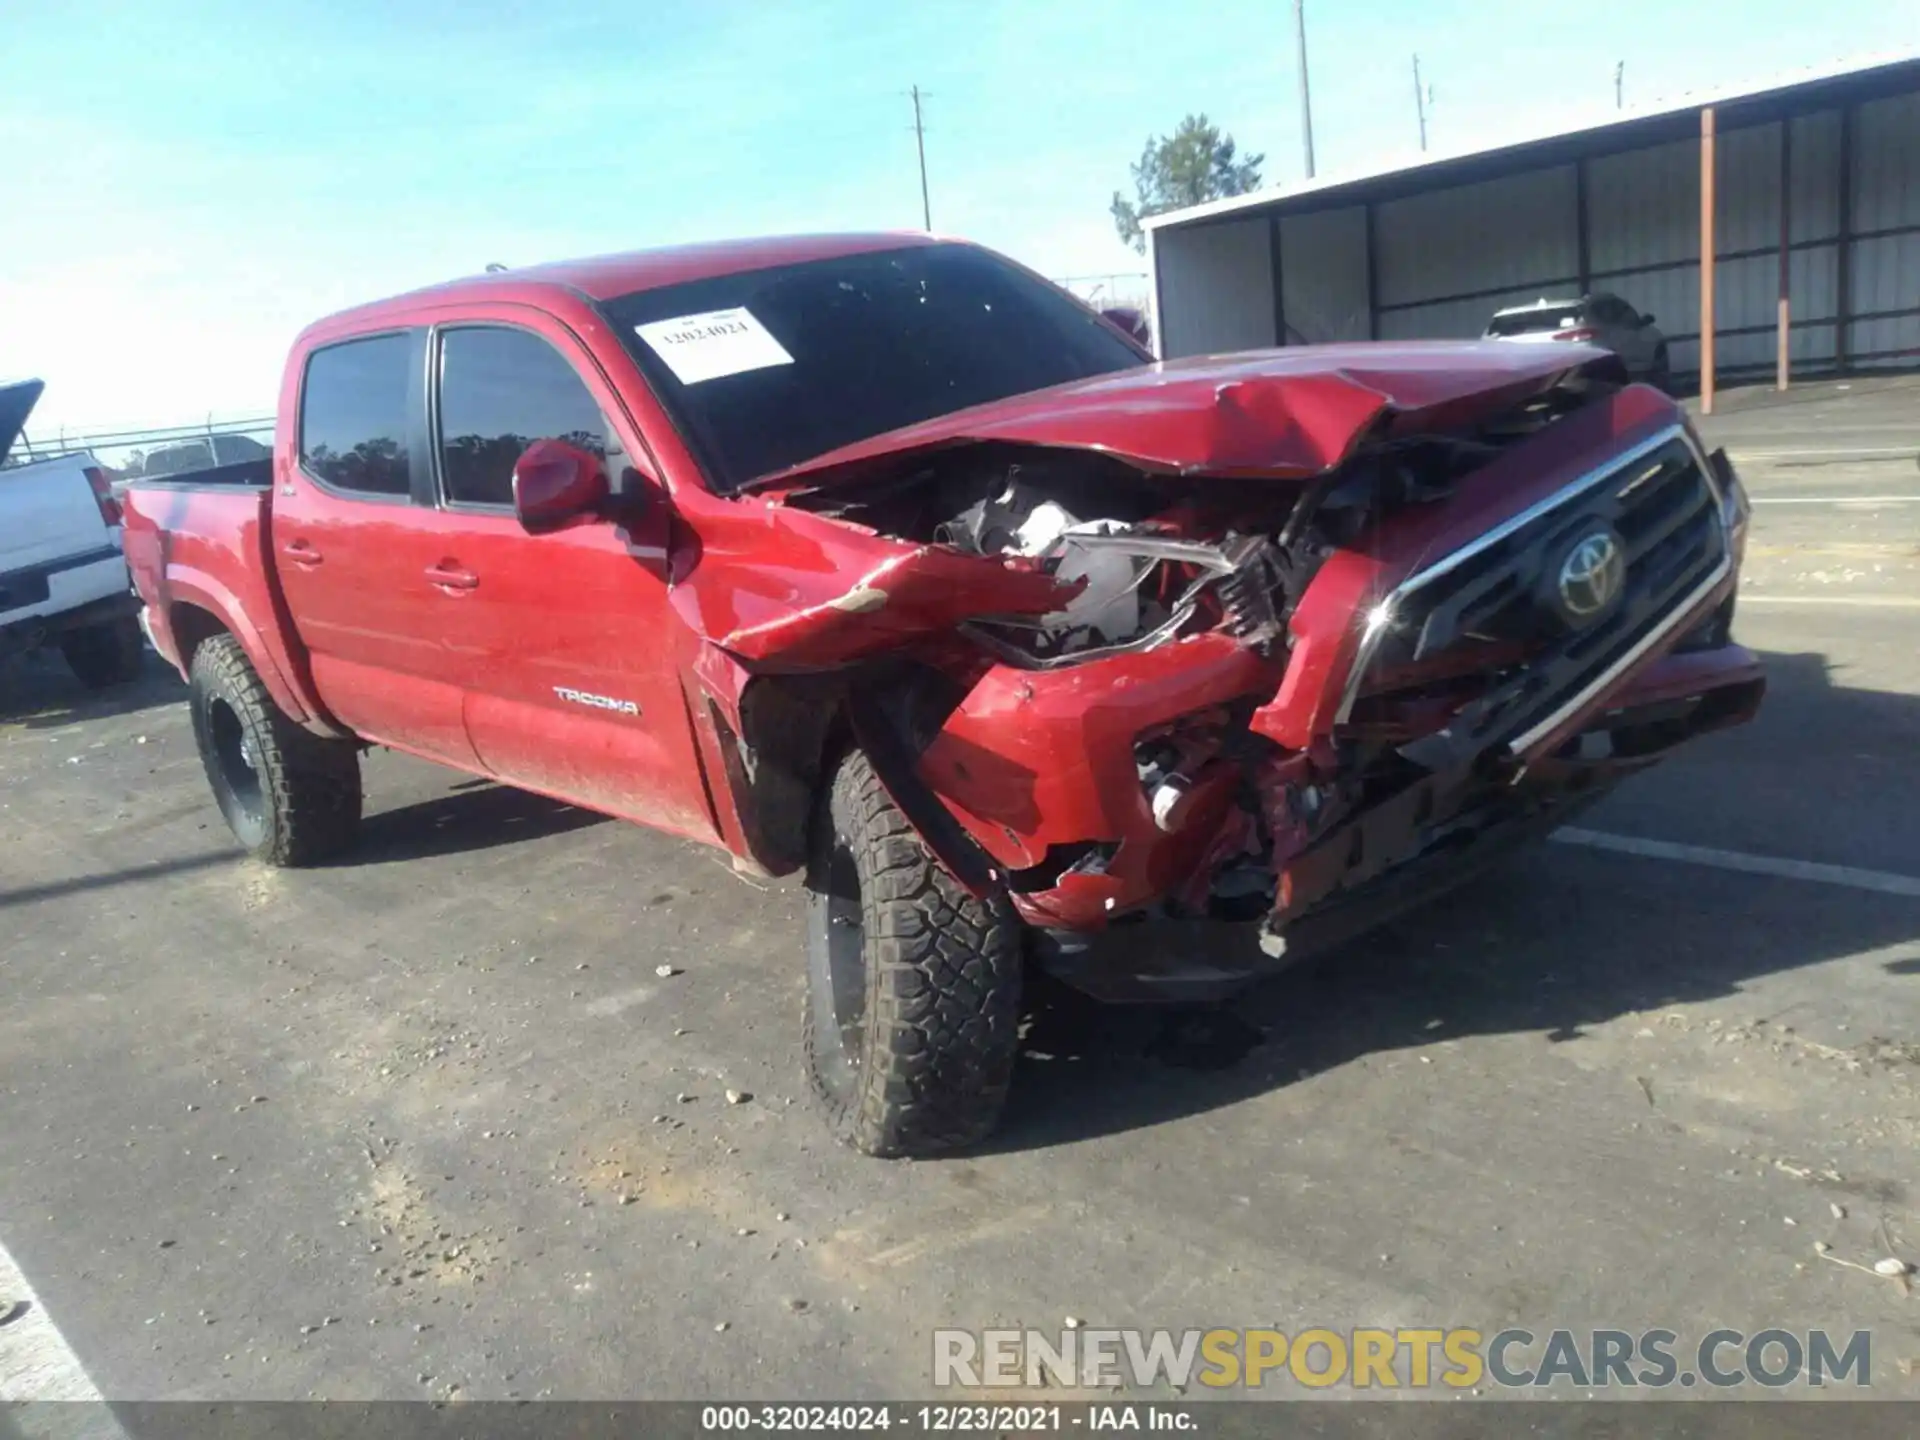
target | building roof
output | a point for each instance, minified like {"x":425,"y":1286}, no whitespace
{"x":1641,"y":125}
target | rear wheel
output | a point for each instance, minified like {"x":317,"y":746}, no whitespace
{"x":913,"y":984}
{"x":290,"y":796}
{"x":107,"y":654}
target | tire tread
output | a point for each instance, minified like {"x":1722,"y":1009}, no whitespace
{"x":310,"y":785}
{"x":943,"y":987}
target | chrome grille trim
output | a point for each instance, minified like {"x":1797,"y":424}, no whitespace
{"x":1566,"y":495}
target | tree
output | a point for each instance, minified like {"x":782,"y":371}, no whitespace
{"x":1194,"y":164}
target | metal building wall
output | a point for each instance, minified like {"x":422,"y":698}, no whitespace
{"x":1886,"y":197}
{"x":1447,"y":259}
{"x":1323,"y":275}
{"x":1813,"y":260}
{"x":1214,"y":287}
{"x":1643,"y":236}
{"x":1439,"y":262}
{"x":1464,"y":253}
{"x":1746,"y":284}
{"x":1644,"y":218}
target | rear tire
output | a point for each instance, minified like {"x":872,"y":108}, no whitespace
{"x":107,"y":654}
{"x":290,"y":796}
{"x":913,"y":984}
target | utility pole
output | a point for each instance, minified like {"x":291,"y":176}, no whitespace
{"x":1306,"y":99}
{"x":920,"y":141}
{"x":1619,"y":93}
{"x":1420,"y":102}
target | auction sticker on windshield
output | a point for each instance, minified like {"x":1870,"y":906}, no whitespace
{"x":713,"y":344}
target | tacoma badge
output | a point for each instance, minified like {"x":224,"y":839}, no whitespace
{"x":598,"y":702}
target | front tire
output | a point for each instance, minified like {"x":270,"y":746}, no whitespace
{"x":290,"y":796}
{"x":107,"y":654}
{"x":913,"y":984}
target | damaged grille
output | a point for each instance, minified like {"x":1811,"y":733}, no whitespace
{"x":1582,"y":584}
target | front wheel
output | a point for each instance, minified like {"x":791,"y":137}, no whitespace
{"x":913,"y":984}
{"x":111,"y":653}
{"x":290,"y":796}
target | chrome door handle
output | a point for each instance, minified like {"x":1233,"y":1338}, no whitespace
{"x":449,"y":576}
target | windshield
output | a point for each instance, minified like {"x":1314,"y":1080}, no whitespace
{"x":1561,"y":316}
{"x":765,"y":369}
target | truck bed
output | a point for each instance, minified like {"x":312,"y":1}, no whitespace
{"x":200,"y":549}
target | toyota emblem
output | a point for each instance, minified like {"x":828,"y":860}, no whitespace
{"x":1591,"y":576}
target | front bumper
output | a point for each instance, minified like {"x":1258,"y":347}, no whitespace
{"x":1283,"y":802}
{"x":1422,"y":842}
{"x":1040,"y":770}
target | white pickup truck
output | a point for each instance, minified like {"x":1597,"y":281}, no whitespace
{"x":62,"y":577}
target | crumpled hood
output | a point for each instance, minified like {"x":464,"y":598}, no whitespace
{"x":1284,"y":413}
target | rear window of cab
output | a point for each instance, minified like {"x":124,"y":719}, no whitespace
{"x":353,"y":415}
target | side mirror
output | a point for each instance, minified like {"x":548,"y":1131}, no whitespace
{"x":555,"y":483}
{"x":1647,"y":319}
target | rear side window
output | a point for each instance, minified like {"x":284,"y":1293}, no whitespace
{"x":353,"y":415}
{"x":501,"y":390}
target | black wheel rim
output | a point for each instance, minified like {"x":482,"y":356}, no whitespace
{"x":836,"y":957}
{"x":233,"y":757}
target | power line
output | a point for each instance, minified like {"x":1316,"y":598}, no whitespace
{"x":920,"y":142}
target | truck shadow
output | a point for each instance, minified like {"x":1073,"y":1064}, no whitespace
{"x":471,"y":815}
{"x":39,"y":692}
{"x":130,"y":875}
{"x":1559,"y":940}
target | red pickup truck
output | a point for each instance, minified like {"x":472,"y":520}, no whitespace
{"x":881,"y":559}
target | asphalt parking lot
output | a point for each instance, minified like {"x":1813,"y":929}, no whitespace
{"x":430,"y":1125}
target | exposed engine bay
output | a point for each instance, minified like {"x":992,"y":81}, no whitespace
{"x":1141,"y":584}
{"x":1158,"y":557}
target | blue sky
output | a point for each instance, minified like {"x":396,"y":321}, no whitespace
{"x":190,"y":181}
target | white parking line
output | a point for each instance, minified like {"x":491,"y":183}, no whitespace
{"x":1886,"y":452}
{"x":1857,"y":602}
{"x":1835,"y":499}
{"x":1879,"y":881}
{"x":37,"y":1364}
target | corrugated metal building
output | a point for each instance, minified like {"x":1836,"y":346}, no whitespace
{"x":1817,"y":178}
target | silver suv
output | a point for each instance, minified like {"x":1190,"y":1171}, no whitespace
{"x":1599,"y":319}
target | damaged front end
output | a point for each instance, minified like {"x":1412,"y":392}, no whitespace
{"x":1293,"y":697}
